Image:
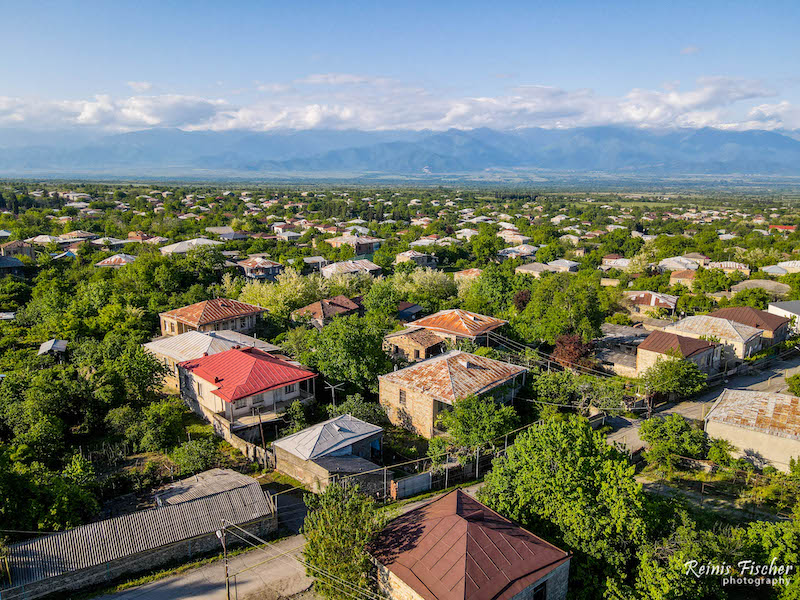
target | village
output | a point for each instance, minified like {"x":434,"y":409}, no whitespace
{"x":477,"y":394}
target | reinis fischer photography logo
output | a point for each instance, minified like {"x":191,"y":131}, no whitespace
{"x":744,"y":572}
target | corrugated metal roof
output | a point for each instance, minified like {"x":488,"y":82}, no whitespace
{"x":184,"y":247}
{"x":419,"y":335}
{"x":349,"y":266}
{"x":97,"y":543}
{"x":715,"y":327}
{"x":327,"y":308}
{"x":455,"y":548}
{"x":117,"y":260}
{"x":52,"y":346}
{"x":460,"y":322}
{"x":327,"y":437}
{"x":649,"y":298}
{"x":258,"y":262}
{"x":212,"y":311}
{"x":242,"y":372}
{"x":775,"y":287}
{"x":775,"y":414}
{"x":454,"y":375}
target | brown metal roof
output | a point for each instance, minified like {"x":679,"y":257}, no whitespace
{"x":664,"y":343}
{"x":747,"y":315}
{"x":330,"y":307}
{"x":418,"y":335}
{"x":685,"y":274}
{"x":460,"y":322}
{"x":775,"y":414}
{"x":212,"y":311}
{"x":454,"y":375}
{"x":455,"y":548}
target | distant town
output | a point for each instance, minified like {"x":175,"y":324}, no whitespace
{"x":394,"y":392}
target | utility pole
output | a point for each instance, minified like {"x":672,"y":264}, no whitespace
{"x":333,"y":389}
{"x":221,"y":536}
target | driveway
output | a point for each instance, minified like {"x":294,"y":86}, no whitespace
{"x":256,"y":580}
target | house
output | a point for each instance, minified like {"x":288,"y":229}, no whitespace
{"x":677,"y":263}
{"x":116,"y":261}
{"x":522,"y":252}
{"x":455,"y":548}
{"x":260,"y":268}
{"x":211,"y":315}
{"x":11,"y":265}
{"x":361,"y":244}
{"x":172,"y":350}
{"x":17,"y":248}
{"x":660,"y":344}
{"x":774,"y":288}
{"x":350,"y":267}
{"x":568,"y":238}
{"x":616,"y":348}
{"x":243,"y":387}
{"x":320,"y":313}
{"x":739,"y":341}
{"x":763,"y":426}
{"x":187,"y":246}
{"x":413,"y":344}
{"x":467,"y":274}
{"x":408,"y":311}
{"x":700,"y":259}
{"x":643,"y":301}
{"x":53,"y":347}
{"x":790,"y":266}
{"x":415,"y":396}
{"x":338,"y":447}
{"x":182,"y":524}
{"x":775,"y":329}
{"x":789,"y":310}
{"x":562,"y":265}
{"x":457,"y":324}
{"x":729,"y":267}
{"x":419,"y":258}
{"x":534,"y":269}
{"x":289,"y":236}
{"x":684,"y":278}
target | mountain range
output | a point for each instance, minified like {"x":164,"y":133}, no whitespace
{"x":607,"y":149}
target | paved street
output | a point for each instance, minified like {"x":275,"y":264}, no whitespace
{"x":283,"y":576}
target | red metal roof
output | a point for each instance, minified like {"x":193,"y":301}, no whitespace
{"x":242,"y":372}
{"x":460,"y":322}
{"x":212,"y":311}
{"x":455,"y":548}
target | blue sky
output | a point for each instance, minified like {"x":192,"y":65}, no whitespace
{"x":373,"y":65}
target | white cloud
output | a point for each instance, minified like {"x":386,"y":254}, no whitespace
{"x":689,"y":50}
{"x":338,"y":101}
{"x":140,"y":86}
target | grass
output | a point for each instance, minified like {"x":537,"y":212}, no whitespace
{"x":278,"y":478}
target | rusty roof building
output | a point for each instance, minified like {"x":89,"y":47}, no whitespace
{"x":219,"y":313}
{"x":747,"y":315}
{"x":460,"y":324}
{"x":326,"y":309}
{"x":662,"y":342}
{"x":764,"y":426}
{"x":455,"y":548}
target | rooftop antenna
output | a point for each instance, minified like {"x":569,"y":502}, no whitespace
{"x":333,"y":389}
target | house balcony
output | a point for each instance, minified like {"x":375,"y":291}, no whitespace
{"x":267,"y":414}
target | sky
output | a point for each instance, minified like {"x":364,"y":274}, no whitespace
{"x":130,"y":65}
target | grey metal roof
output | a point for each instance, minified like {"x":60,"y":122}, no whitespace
{"x":790,"y":306}
{"x":52,"y":346}
{"x":97,"y":543}
{"x":327,"y":437}
{"x":194,"y":344}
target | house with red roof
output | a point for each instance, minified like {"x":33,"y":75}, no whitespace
{"x":455,"y":548}
{"x":211,"y":315}
{"x":243,"y":387}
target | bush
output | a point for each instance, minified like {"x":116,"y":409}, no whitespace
{"x":719,"y":451}
{"x":355,"y":405}
{"x":196,"y":455}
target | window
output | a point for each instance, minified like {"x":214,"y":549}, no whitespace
{"x":416,"y":353}
{"x":540,"y":592}
{"x":403,"y":397}
{"x":242,"y":323}
{"x":241,"y":403}
{"x":291,"y":388}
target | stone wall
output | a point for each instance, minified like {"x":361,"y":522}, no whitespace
{"x":416,"y":415}
{"x":557,"y":582}
{"x":103,"y":574}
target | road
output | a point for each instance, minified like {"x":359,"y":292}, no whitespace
{"x":284,"y":576}
{"x":626,"y":431}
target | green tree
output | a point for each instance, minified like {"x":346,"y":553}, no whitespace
{"x":197,"y":455}
{"x":562,"y":479}
{"x":340,"y":523}
{"x":355,"y":405}
{"x":674,"y":376}
{"x":670,"y":437}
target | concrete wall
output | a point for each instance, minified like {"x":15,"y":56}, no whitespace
{"x":708,"y":361}
{"x":774,"y":310}
{"x":137,"y":563}
{"x":305,"y":471}
{"x":776,"y":450}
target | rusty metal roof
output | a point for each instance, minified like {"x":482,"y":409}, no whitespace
{"x":118,"y":260}
{"x":454,"y":375}
{"x":258,"y":262}
{"x":455,"y":548}
{"x":418,"y":335}
{"x":330,"y":307}
{"x":649,"y":298}
{"x":212,"y":311}
{"x":664,"y":343}
{"x":747,"y":315}
{"x":459,"y":322}
{"x":468,"y":273}
{"x":775,"y":414}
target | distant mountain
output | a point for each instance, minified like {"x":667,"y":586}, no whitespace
{"x":403,"y":153}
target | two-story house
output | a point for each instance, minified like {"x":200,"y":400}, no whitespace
{"x":260,"y":268}
{"x":211,"y":315}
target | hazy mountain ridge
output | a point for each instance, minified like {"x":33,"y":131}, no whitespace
{"x":593,"y":149}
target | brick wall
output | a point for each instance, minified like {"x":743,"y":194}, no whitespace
{"x":106,"y":573}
